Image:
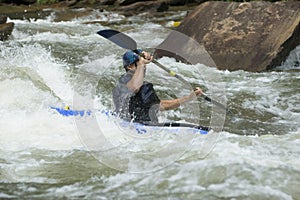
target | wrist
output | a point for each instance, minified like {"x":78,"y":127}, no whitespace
{"x":143,"y":66}
{"x":139,"y":64}
{"x":192,"y":96}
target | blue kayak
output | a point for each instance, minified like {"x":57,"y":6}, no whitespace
{"x":141,"y":128}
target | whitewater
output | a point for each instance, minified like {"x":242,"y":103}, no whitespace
{"x":45,"y":155}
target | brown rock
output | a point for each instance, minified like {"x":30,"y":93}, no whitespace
{"x":147,"y":6}
{"x":3,"y":19}
{"x":5,"y":30}
{"x":253,"y":36}
{"x":185,"y":2}
{"x":106,"y":2}
{"x":126,"y":2}
{"x":67,"y":3}
{"x":25,"y":2}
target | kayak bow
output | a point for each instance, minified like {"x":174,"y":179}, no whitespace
{"x":67,"y":112}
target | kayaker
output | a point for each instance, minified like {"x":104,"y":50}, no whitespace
{"x":136,"y":99}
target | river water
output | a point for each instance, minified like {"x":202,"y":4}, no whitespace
{"x":43,"y":155}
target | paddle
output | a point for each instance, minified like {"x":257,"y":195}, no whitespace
{"x":127,"y":42}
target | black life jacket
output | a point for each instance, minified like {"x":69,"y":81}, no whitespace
{"x":144,"y":105}
{"x":141,"y":106}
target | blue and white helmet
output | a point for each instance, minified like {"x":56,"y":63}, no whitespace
{"x":130,"y":57}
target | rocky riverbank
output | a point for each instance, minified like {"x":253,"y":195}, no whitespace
{"x":5,"y":28}
{"x":68,"y":10}
{"x":233,"y":35}
{"x":126,"y":7}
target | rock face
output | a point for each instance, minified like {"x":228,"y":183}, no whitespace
{"x":5,"y":28}
{"x":126,"y":2}
{"x":3,"y":19}
{"x":253,"y":36}
{"x":146,"y":6}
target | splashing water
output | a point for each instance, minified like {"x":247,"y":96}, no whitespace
{"x":42,"y":155}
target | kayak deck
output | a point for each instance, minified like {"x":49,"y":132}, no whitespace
{"x":139,"y":126}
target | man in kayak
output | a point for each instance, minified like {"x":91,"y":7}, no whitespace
{"x":134,"y":98}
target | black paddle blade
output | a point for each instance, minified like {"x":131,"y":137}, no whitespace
{"x":119,"y":39}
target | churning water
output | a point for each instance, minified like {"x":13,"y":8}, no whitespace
{"x":42,"y":154}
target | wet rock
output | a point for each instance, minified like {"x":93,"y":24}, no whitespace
{"x":27,"y":2}
{"x":125,"y":2}
{"x":3,"y":19}
{"x":20,"y":2}
{"x":146,"y":6}
{"x":107,"y":2}
{"x":184,"y":2}
{"x":68,"y":3}
{"x":253,"y":36}
{"x":5,"y":30}
{"x":177,"y":2}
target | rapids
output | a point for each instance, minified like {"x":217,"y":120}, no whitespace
{"x":43,"y":155}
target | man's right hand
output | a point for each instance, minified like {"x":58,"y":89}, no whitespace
{"x":146,"y":58}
